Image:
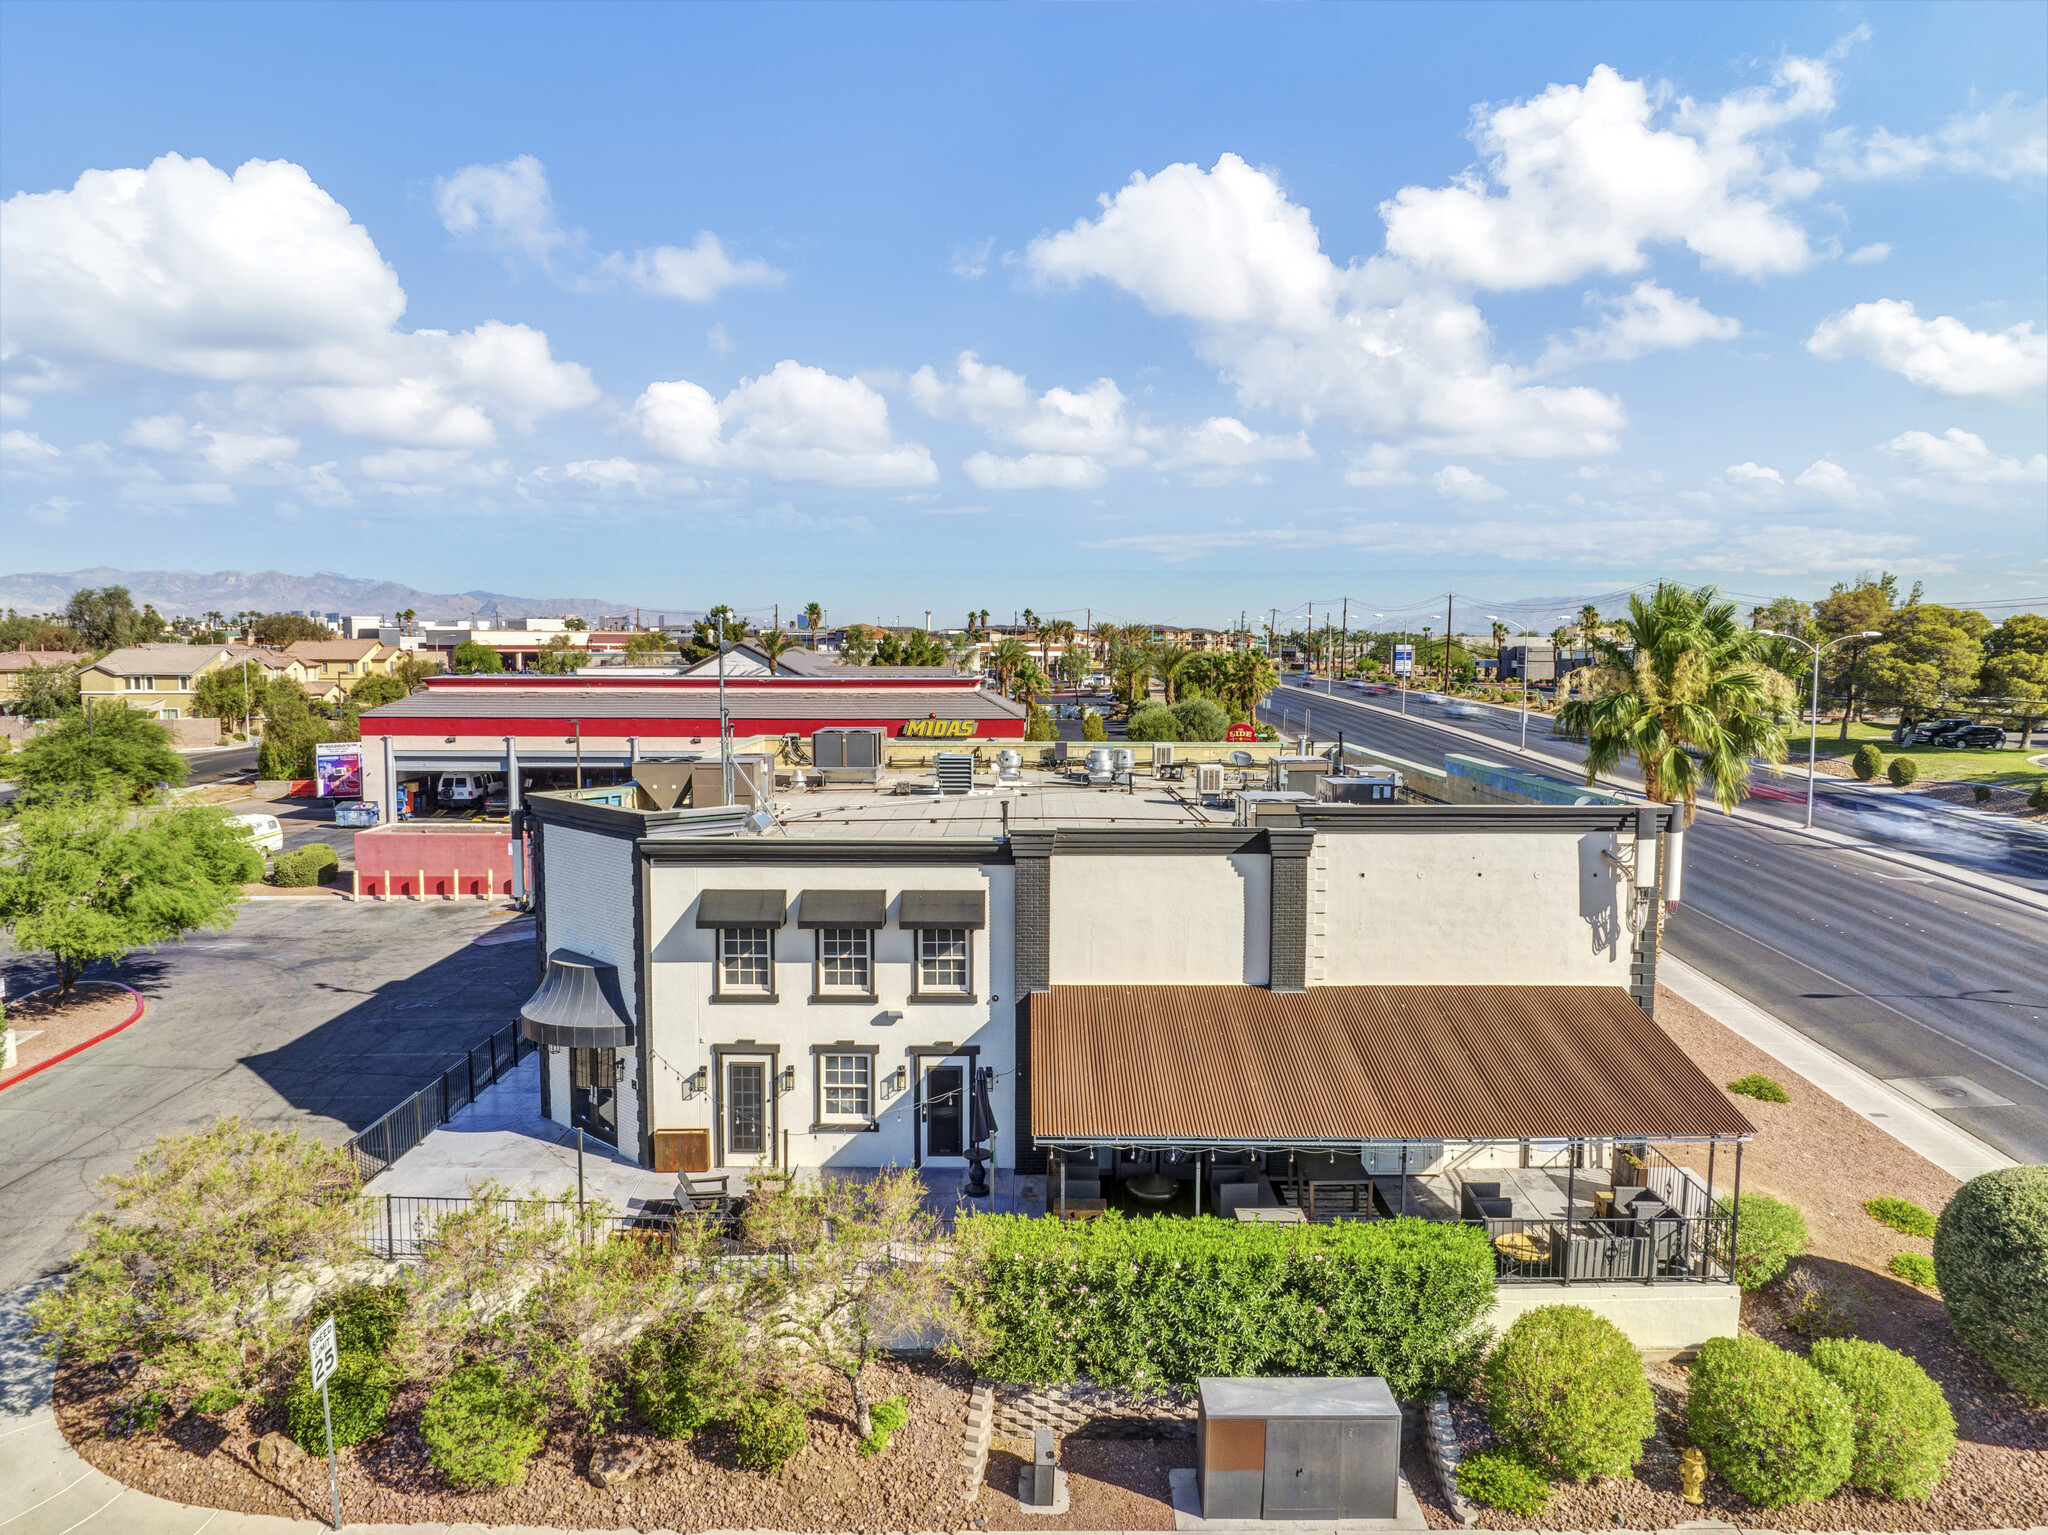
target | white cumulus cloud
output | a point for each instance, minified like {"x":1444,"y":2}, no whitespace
{"x":508,"y":203}
{"x":2007,"y":141}
{"x":1752,"y":475}
{"x":1959,"y":465}
{"x":1379,"y":465}
{"x":793,"y":423}
{"x":1826,"y":478}
{"x":1089,"y":421}
{"x":694,"y":273}
{"x":1942,"y":354}
{"x":258,"y":280}
{"x":1035,"y":471}
{"x":1647,"y":319}
{"x":1865,"y":255}
{"x":1457,"y":483}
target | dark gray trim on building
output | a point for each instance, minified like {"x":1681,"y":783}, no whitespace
{"x":1031,"y":1158}
{"x":942,"y":908}
{"x":643,"y":1008}
{"x":1642,"y":956}
{"x":841,"y":908}
{"x":819,"y":850}
{"x":740,"y":908}
{"x":1105,"y":841}
{"x":606,"y":820}
{"x":1032,"y":851}
{"x":843,"y":1127}
{"x":1287,"y":908}
{"x":1489,"y":819}
{"x":771,"y":1105}
{"x":917,"y":1054}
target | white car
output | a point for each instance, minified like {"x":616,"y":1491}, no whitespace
{"x":462,"y":791}
{"x":1464,"y":711}
{"x":261,"y":830}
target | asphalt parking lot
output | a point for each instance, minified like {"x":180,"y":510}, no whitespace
{"x":318,"y":1015}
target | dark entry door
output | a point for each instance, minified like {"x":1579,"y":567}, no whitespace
{"x":945,"y":1110}
{"x":594,"y":1093}
{"x":746,"y":1109}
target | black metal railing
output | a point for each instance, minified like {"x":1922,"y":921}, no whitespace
{"x":397,"y":1227}
{"x":391,"y":1137}
{"x":1659,"y":1248}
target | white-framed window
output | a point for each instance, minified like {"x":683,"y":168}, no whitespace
{"x":745,"y":961}
{"x":944,"y":960}
{"x":184,"y":684}
{"x":141,"y":684}
{"x":846,"y":1088}
{"x":846,"y":964}
{"x":170,"y":714}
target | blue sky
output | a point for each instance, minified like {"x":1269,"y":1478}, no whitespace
{"x":1167,"y":311}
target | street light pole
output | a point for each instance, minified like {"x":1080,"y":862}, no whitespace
{"x":1813,"y":712}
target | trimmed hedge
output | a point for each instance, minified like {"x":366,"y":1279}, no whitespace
{"x":1902,"y":771}
{"x":1904,"y":1430}
{"x":314,"y":864}
{"x":1900,"y":1215}
{"x":1154,"y":722}
{"x":1200,"y":719}
{"x":1991,"y":1261}
{"x":366,"y":1320}
{"x":1502,"y":1479}
{"x":1566,"y":1390}
{"x":1914,"y":1268}
{"x":1146,"y":1303}
{"x":1868,"y":761}
{"x":481,"y":1427}
{"x":1776,"y":1429}
{"x":888,"y":1417}
{"x":1768,"y":1234}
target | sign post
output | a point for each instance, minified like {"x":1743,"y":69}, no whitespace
{"x":324,"y":1356}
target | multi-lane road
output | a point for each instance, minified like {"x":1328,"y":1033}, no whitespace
{"x":1906,"y":972}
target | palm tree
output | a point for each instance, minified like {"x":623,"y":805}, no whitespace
{"x":1009,"y":658}
{"x":775,"y":644}
{"x":1030,"y":619}
{"x":1167,"y":660}
{"x":814,"y":616}
{"x":1683,"y":693}
{"x":1250,"y":676}
{"x":1055,"y":631}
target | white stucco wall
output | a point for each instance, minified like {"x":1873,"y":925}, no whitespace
{"x":689,"y":1024}
{"x":590,"y":910}
{"x":1179,"y":919}
{"x":1522,"y":908}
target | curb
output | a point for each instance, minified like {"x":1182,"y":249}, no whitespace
{"x":84,"y":1044}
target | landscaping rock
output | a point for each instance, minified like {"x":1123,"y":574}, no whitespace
{"x":616,"y":1466}
{"x":275,"y":1451}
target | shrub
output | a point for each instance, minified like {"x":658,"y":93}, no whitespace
{"x":686,"y":1375}
{"x":1502,"y":1479}
{"x":1981,"y":793}
{"x":1991,"y":1261}
{"x":1902,"y":771}
{"x":1904,"y":1431}
{"x":1092,"y":728}
{"x":1900,"y":1215}
{"x":314,"y":864}
{"x":1914,"y":1268}
{"x":1768,"y":1233}
{"x":1868,"y":761}
{"x":1775,"y":1428}
{"x":1039,"y":726}
{"x":215,"y":1400}
{"x":1565,"y":1389}
{"x":1147,"y":1303}
{"x":144,"y":1412}
{"x":359,"y":1396}
{"x":2038,"y":799}
{"x":1760,"y":1087}
{"x":481,"y":1427}
{"x":888,"y":1418}
{"x":1154,"y":722}
{"x":1816,"y":1306}
{"x":1200,"y":719}
{"x":768,"y":1429}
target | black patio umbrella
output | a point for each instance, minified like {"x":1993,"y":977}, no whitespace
{"x":981,"y":1129}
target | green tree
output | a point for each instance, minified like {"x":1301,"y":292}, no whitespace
{"x":1683,"y":679}
{"x":2016,"y":670}
{"x":558,"y":657}
{"x":1252,"y":675}
{"x":45,"y":692}
{"x":230,"y":693}
{"x":111,"y":750}
{"x":775,"y":644}
{"x":1073,"y":666}
{"x":291,"y":730}
{"x":1852,"y":607}
{"x":858,"y":648}
{"x":288,"y":629}
{"x":814,"y":620}
{"x":470,"y":658}
{"x":84,"y":878}
{"x":1009,"y":657}
{"x":642,"y":645}
{"x":106,"y":617}
{"x":376,"y":690}
{"x":1927,"y":655}
{"x":413,"y":668}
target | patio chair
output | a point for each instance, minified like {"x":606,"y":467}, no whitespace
{"x":1232,"y":1197}
{"x":1484,"y":1201}
{"x":702,"y":1196}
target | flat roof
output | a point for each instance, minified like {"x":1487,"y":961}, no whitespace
{"x":1297,"y":1396}
{"x":1345,"y":1065}
{"x":1041,"y":801}
{"x":853,"y":705}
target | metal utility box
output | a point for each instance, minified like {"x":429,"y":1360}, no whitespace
{"x":1296,"y":775}
{"x":1367,"y":788}
{"x":848,"y":753}
{"x":1044,"y":1470}
{"x":955,"y":772}
{"x":1306,"y":1448}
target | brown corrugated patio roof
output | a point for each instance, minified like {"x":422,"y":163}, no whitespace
{"x":1227,"y":1065}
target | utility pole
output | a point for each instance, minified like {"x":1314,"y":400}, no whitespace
{"x":1344,"y":636}
{"x":778,"y":618}
{"x":1447,"y":641}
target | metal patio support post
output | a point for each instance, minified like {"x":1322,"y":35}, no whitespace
{"x":1063,"y":1185}
{"x":1404,"y":1177}
{"x":511,"y":775}
{"x":390,"y":1238}
{"x":1571,"y":1189}
{"x":1735,"y":1211}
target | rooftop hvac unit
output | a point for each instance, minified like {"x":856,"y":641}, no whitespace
{"x":1162,"y":755}
{"x":1209,"y":780}
{"x":1361,"y":789}
{"x":1300,"y":774}
{"x":1009,"y":766}
{"x":1101,"y":766}
{"x":1256,"y":807}
{"x":956,"y":771}
{"x":848,"y":753}
{"x":1125,"y":760}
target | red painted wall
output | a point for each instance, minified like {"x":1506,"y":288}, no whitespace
{"x":706,"y":727}
{"x":439,"y":861}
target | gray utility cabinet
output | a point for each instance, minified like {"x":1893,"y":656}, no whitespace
{"x":1299,"y":1448}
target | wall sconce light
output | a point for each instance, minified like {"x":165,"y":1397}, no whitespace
{"x":896,"y":1081}
{"x":785,"y":1081}
{"x":695,"y":1083}
{"x":888,"y":1020}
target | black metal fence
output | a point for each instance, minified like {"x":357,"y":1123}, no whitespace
{"x":399,"y":1226}
{"x":1664,"y":1248}
{"x":391,"y":1137}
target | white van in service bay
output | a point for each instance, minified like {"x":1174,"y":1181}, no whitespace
{"x":262,"y":830}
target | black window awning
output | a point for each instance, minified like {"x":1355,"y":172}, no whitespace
{"x":742,"y":908}
{"x":842,"y":908}
{"x":944,"y":908}
{"x":579,"y":1005}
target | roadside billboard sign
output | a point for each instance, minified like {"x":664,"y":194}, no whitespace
{"x":1404,"y":660}
{"x":338,"y":770}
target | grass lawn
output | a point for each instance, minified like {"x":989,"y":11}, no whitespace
{"x":1936,"y":763}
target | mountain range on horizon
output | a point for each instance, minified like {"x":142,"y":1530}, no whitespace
{"x":190,"y":593}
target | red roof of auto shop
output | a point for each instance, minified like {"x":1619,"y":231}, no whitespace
{"x":562,"y":705}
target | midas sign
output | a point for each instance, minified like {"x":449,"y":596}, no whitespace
{"x":950,"y":730}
